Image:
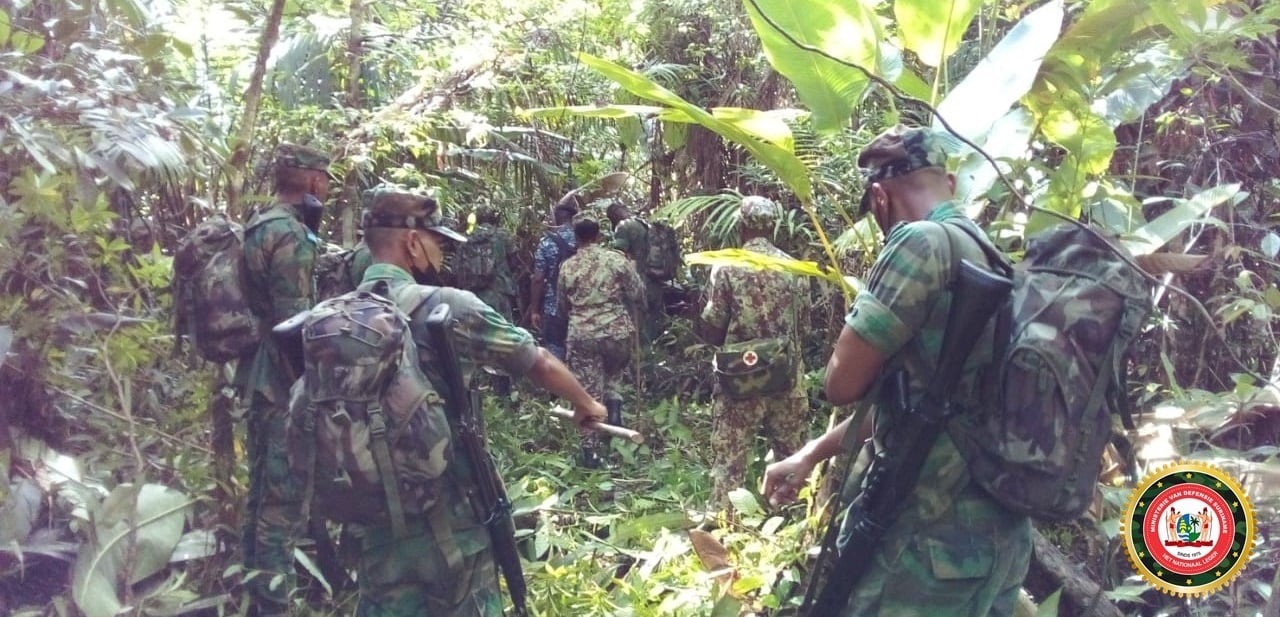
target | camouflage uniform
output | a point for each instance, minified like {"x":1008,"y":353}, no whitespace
{"x":500,"y":294}
{"x":600,"y":289}
{"x":953,"y":551}
{"x":547,"y":259}
{"x":744,"y":304}
{"x":631,"y":236}
{"x":280,"y":254}
{"x":359,"y":261}
{"x":410,"y":576}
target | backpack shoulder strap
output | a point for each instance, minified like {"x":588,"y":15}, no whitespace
{"x":270,"y":214}
{"x":560,"y":243}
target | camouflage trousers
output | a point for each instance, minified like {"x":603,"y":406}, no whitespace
{"x":273,"y":519}
{"x":734,"y":426}
{"x":409,"y":577}
{"x":599,"y":364}
{"x":970,"y":562}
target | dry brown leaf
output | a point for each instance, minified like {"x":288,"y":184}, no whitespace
{"x":713,"y":554}
{"x":1170,"y":263}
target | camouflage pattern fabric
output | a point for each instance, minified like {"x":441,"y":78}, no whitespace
{"x":745,"y":304}
{"x":409,"y":577}
{"x":398,"y":578}
{"x":735,"y":423}
{"x":632,"y":238}
{"x":498,"y":288}
{"x":599,"y":363}
{"x":1037,"y":443}
{"x":547,"y":259}
{"x":273,"y":520}
{"x":952,"y":549}
{"x":601,"y":291}
{"x":212,"y":306}
{"x":279,"y":255}
{"x":360,"y":261}
{"x":362,"y":390}
{"x":899,"y":151}
{"x":301,"y":157}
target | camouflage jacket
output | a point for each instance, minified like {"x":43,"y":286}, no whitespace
{"x":481,"y":338}
{"x":632,"y":238}
{"x":547,"y":259}
{"x":359,"y":262}
{"x":280,"y":255}
{"x":601,"y":290}
{"x":500,"y":241}
{"x":903,"y":314}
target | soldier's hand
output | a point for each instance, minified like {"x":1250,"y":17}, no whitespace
{"x":783,"y":479}
{"x":595,"y":411}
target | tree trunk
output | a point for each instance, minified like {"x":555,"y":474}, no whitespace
{"x":355,"y":57}
{"x":242,"y":145}
{"x":1051,"y":570}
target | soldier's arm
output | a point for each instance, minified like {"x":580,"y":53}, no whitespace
{"x":633,"y":287}
{"x":713,"y":323}
{"x":904,"y":285}
{"x":291,"y":258}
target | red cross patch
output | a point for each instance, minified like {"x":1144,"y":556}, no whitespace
{"x":750,"y":358}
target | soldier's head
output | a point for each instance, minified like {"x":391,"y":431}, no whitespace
{"x":406,"y":229}
{"x":487,"y":215}
{"x":300,"y":170}
{"x":586,"y":228}
{"x":564,"y":212}
{"x":906,"y":175}
{"x":757,"y":217}
{"x":617,"y":212}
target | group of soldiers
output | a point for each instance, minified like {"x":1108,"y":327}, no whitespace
{"x":952,"y":551}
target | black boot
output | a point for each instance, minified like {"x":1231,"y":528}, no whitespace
{"x":614,"y":407}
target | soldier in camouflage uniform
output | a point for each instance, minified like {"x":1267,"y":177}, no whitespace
{"x":600,"y":289}
{"x":952,"y":551}
{"x":280,"y":253}
{"x":744,"y":304}
{"x":501,"y":293}
{"x":631,"y":236}
{"x":424,"y":574}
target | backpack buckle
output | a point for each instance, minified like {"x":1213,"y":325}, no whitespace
{"x":377,"y":423}
{"x":340,"y":415}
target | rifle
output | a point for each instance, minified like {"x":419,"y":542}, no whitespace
{"x":892,"y":476}
{"x":288,"y":339}
{"x":490,"y":497}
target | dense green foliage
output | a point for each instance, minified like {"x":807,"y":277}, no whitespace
{"x":119,"y":124}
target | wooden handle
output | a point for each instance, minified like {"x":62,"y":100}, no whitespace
{"x":608,"y":429}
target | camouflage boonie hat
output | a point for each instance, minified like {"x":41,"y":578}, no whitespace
{"x":398,"y":207}
{"x":898,"y":152}
{"x":301,"y":157}
{"x":758,"y":212}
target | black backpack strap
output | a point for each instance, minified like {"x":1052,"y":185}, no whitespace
{"x":566,"y":250}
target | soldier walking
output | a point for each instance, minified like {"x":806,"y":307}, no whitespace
{"x":746,"y":306}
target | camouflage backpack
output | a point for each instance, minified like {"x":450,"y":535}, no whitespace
{"x":476,"y":268}
{"x":212,"y":306}
{"x":664,"y":252}
{"x":367,"y":430}
{"x":1036,"y":439}
{"x":333,"y":272}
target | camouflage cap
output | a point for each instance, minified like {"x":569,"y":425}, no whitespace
{"x":898,"y":152}
{"x":758,"y":212}
{"x":301,"y":157}
{"x":395,"y":206}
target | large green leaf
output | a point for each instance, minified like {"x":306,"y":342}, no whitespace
{"x":1150,"y":237}
{"x":156,"y":514}
{"x":846,"y":30}
{"x":751,"y":259}
{"x":1088,"y":139}
{"x":932,"y":28}
{"x":770,"y":125}
{"x":1008,"y":139}
{"x":781,"y":161}
{"x":1003,"y":76}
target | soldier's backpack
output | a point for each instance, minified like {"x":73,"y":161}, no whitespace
{"x":367,"y":430}
{"x":664,"y":252}
{"x":211,"y":305}
{"x":476,"y":264}
{"x":1035,"y":440}
{"x":333,"y":272}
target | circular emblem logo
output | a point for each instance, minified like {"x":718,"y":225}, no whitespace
{"x":750,"y":358}
{"x":1188,"y":529}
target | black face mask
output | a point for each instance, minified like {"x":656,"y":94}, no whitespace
{"x":312,"y":211}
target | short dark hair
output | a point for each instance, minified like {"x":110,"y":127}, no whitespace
{"x":586,"y":230}
{"x":564,"y":213}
